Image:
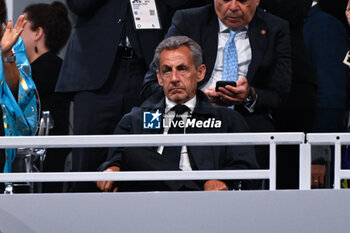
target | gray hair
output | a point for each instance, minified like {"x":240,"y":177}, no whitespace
{"x":176,"y":42}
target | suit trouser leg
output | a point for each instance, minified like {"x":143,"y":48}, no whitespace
{"x":146,"y":159}
{"x":295,"y":115}
{"x":98,"y":112}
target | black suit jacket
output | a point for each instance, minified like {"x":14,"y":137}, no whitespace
{"x":202,"y":157}
{"x":270,"y":69}
{"x":94,"y":42}
{"x":45,"y":72}
{"x":297,"y":112}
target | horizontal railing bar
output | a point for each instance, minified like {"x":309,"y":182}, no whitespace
{"x":151,"y":140}
{"x":132,"y":176}
{"x":344,"y":174}
{"x":328,"y":138}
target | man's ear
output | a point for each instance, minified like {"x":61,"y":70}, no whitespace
{"x":257,"y":2}
{"x":160,"y":80}
{"x":201,"y":72}
{"x":39,"y":33}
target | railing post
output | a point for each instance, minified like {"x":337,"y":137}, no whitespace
{"x":337,"y":164}
{"x":305,"y":166}
{"x":272,"y":165}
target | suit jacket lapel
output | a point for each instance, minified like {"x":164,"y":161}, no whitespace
{"x":258,"y":33}
{"x":209,"y":44}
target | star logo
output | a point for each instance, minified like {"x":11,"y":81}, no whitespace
{"x":156,"y":115}
{"x":152,"y":120}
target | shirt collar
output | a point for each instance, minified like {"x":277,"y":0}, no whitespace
{"x":313,"y":4}
{"x":190,"y":104}
{"x":223,"y":28}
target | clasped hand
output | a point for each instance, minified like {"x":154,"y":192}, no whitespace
{"x":229,"y":95}
{"x":108,"y":186}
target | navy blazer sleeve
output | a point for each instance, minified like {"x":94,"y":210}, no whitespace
{"x":272,"y":80}
{"x":115,"y":154}
{"x":326,"y":42}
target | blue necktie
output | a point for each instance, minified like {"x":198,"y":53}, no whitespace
{"x":230,"y":68}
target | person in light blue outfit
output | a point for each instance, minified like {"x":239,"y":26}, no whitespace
{"x":17,"y":89}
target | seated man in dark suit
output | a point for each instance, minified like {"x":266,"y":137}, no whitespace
{"x":260,"y":43}
{"x":241,"y":43}
{"x":179,"y":69}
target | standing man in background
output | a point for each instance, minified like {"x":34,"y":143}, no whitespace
{"x":107,"y":57}
{"x":326,"y":42}
{"x":296,"y":113}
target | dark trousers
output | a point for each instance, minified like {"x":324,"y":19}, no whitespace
{"x":296,"y":115}
{"x":99,"y":111}
{"x":146,"y":159}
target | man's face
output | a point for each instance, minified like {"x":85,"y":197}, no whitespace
{"x":236,"y":14}
{"x":178,"y":75}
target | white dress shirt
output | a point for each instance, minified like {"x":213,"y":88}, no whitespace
{"x":244,"y":54}
{"x":169,"y":115}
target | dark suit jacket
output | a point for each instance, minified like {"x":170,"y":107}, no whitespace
{"x":270,"y":69}
{"x":297,"y":112}
{"x":202,"y":157}
{"x":326,"y":42}
{"x":45,"y":72}
{"x":295,"y":13}
{"x":94,"y":42}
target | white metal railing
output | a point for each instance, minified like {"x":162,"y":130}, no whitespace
{"x":336,"y":139}
{"x":271,"y":139}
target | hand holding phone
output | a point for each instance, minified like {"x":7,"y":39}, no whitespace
{"x":224,"y":83}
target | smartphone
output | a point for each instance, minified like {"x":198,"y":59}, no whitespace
{"x":224,"y":83}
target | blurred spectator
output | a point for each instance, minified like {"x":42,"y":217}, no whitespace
{"x":347,"y":12}
{"x":46,"y":32}
{"x":326,"y":42}
{"x":17,"y":90}
{"x":335,"y":8}
{"x":296,"y":113}
{"x":298,"y":110}
{"x":105,"y":63}
{"x":345,"y":162}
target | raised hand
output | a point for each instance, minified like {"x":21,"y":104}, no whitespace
{"x":11,"y":35}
